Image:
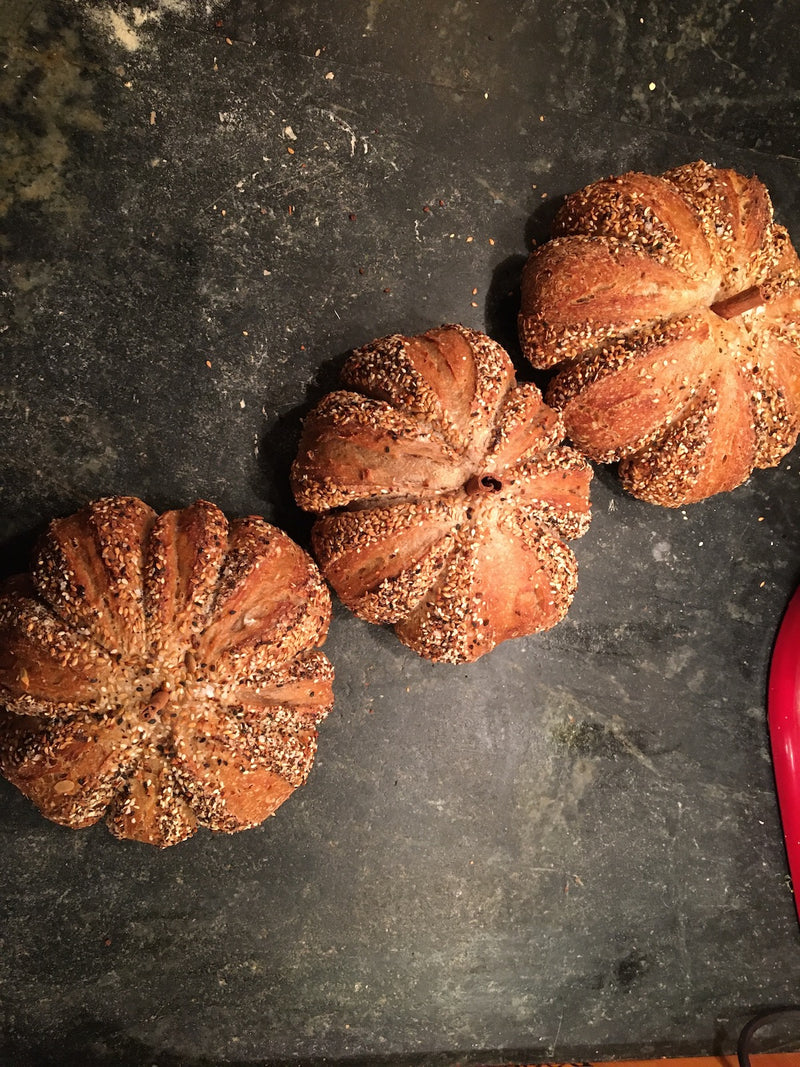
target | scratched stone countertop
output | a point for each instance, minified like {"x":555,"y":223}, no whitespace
{"x":570,"y":849}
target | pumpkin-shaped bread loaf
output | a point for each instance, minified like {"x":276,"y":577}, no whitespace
{"x":670,"y":308}
{"x":161,"y":670}
{"x":445,"y":494}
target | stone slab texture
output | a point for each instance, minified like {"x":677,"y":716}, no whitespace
{"x":570,"y":849}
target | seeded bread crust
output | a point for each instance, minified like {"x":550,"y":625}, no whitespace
{"x":669,"y":308}
{"x":161,"y":671}
{"x":444,"y":494}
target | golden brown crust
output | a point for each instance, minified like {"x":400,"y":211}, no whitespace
{"x":161,"y":670}
{"x":444,"y":494}
{"x":669,"y":307}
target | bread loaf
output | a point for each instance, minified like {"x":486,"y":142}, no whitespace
{"x":161,"y":671}
{"x":670,"y":309}
{"x":444,"y":494}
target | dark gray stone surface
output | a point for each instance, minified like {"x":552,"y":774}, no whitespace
{"x":570,"y":849}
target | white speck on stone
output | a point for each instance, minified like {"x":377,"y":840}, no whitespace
{"x":662,"y":551}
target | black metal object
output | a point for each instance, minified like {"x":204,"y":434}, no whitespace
{"x":758,"y":1022}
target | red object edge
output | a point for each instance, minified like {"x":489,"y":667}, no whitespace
{"x":783,"y":713}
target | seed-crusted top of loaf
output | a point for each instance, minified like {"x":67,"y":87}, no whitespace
{"x":669,"y":307}
{"x":444,"y":494}
{"x":161,"y":670}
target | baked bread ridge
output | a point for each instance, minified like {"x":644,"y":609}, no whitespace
{"x":443,"y":494}
{"x":161,"y":671}
{"x":639,"y":266}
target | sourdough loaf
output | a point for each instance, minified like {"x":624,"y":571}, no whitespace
{"x":444,"y":494}
{"x":669,"y":308}
{"x":161,"y":671}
